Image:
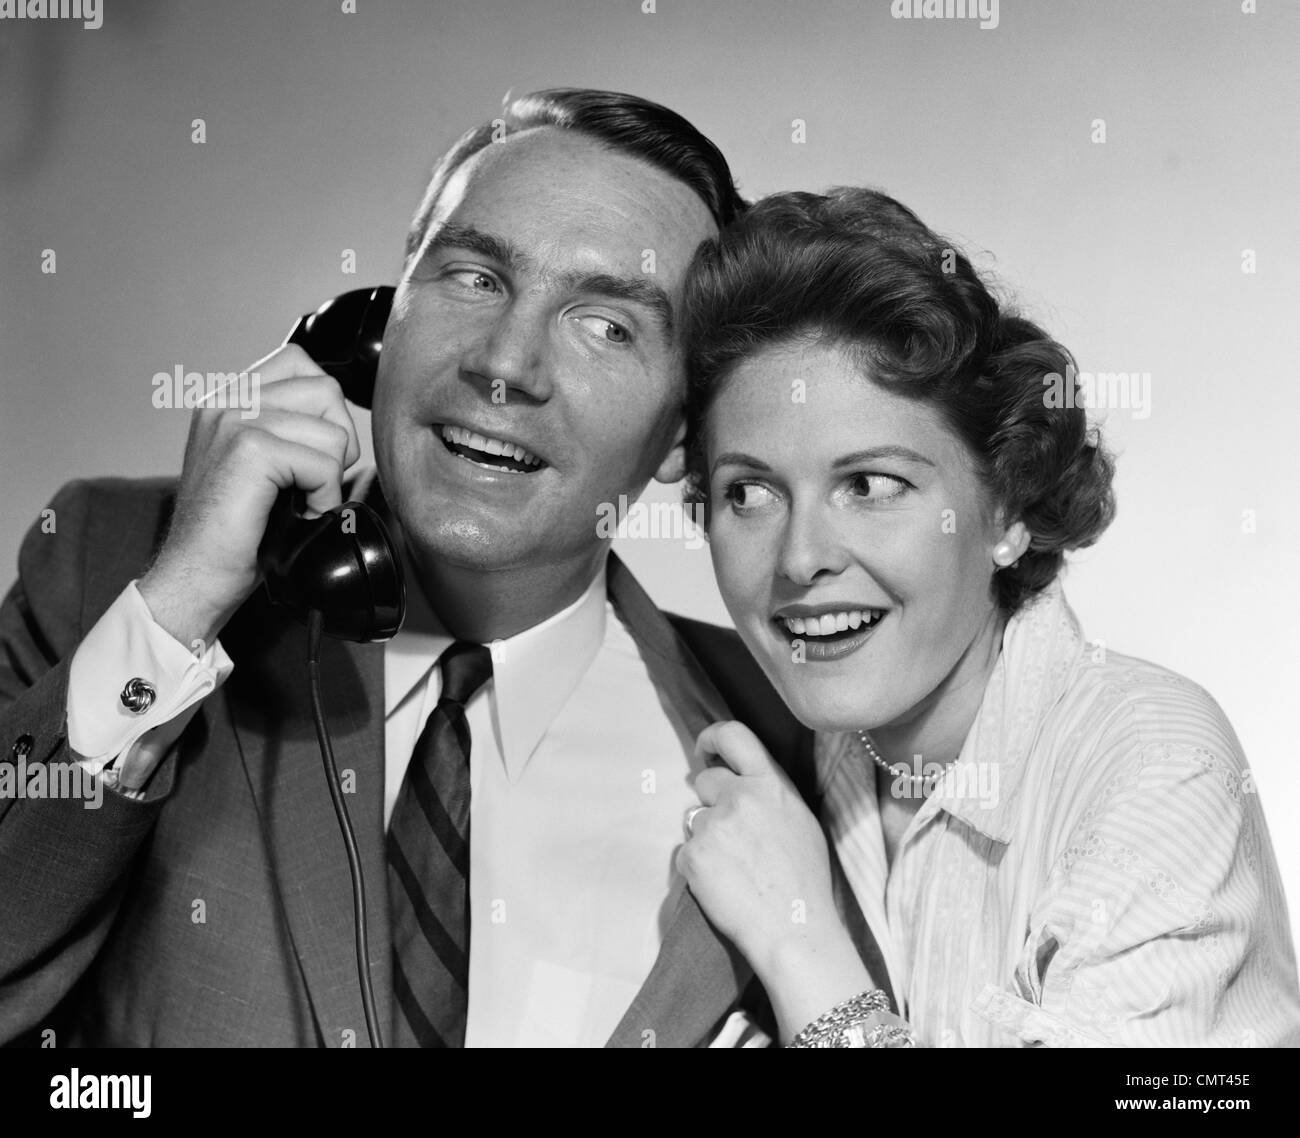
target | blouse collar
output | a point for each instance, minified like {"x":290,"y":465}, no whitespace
{"x":1042,"y":646}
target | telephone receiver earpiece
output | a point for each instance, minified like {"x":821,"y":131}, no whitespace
{"x":344,"y":336}
{"x":342,"y":564}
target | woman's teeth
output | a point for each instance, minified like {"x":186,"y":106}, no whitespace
{"x":830,"y":623}
{"x":472,"y":440}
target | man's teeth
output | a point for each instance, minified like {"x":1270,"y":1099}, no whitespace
{"x":466,"y":438}
{"x":831,"y":622}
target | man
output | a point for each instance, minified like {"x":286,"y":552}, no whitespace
{"x":531,"y":371}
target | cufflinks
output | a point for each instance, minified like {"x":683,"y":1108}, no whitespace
{"x":138,"y":695}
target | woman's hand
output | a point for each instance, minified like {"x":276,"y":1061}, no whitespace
{"x":756,"y":861}
{"x":756,"y":858}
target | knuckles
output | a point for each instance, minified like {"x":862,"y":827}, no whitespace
{"x":293,"y":360}
{"x":731,"y":734}
{"x":249,"y":445}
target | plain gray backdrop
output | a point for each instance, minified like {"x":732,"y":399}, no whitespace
{"x":321,"y":125}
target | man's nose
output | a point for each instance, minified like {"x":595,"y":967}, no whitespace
{"x":810,"y":547}
{"x":509,"y":355}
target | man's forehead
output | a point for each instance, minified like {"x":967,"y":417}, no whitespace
{"x":545,"y":187}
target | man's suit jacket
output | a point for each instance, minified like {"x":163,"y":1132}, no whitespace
{"x":217,"y":911}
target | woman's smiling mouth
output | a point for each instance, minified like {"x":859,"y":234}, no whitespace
{"x":827,"y":633}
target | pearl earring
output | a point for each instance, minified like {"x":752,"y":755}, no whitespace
{"x":1004,"y":553}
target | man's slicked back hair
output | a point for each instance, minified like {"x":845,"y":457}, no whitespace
{"x":624,"y":123}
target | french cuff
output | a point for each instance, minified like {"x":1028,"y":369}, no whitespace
{"x":132,"y":689}
{"x":1029,"y":1023}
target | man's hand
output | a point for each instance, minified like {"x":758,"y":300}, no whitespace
{"x":234,"y":468}
{"x":757,"y":863}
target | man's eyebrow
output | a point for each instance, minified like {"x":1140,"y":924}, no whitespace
{"x":636,"y":289}
{"x":494,"y":248}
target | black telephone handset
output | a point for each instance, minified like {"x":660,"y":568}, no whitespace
{"x":342,"y":564}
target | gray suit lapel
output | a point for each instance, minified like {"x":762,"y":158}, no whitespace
{"x":271,"y":715}
{"x":698,"y":975}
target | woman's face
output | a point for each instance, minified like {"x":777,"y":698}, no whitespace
{"x":852,"y":541}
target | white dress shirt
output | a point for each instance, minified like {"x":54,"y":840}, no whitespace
{"x":580,"y":777}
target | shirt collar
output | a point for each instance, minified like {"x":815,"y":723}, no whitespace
{"x":534,"y":672}
{"x":415,"y":649}
{"x":1042,"y":645}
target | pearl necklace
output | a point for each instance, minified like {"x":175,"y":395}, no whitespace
{"x":917,"y":780}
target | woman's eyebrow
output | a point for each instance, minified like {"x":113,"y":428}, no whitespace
{"x":872,"y":453}
{"x":737,"y":458}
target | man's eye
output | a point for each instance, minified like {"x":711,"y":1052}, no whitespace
{"x":877,"y":487}
{"x":474,"y":279}
{"x":604,"y":328}
{"x":747,"y":496}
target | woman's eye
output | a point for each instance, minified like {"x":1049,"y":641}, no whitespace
{"x":605,"y":328}
{"x":877,"y":487}
{"x":745,"y":496}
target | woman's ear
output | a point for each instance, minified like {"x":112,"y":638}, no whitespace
{"x":1012,"y":545}
{"x":673,"y":467}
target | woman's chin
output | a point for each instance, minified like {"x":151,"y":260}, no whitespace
{"x":821,"y":707}
{"x":819,"y":699}
{"x":830,"y":683}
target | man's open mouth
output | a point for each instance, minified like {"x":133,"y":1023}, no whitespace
{"x":487,"y":452}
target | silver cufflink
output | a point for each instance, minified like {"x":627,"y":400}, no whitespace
{"x":138,"y":695}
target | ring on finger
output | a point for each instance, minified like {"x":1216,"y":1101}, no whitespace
{"x":691,"y":815}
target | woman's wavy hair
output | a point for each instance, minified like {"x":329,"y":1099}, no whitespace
{"x":858,"y":268}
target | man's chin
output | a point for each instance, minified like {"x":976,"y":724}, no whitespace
{"x":469,"y":541}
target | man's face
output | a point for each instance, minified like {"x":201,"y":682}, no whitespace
{"x":531,"y":369}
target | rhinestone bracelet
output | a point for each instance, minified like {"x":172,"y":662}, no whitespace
{"x":830,"y":1029}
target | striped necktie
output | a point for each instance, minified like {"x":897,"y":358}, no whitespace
{"x":428,"y":864}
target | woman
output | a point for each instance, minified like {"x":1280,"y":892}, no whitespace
{"x":1050,"y":843}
